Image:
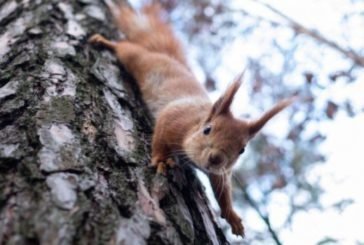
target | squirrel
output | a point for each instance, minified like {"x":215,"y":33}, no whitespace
{"x":186,"y":121}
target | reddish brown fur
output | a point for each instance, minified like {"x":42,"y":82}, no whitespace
{"x":180,"y":105}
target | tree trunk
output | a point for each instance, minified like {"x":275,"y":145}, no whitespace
{"x":75,"y":140}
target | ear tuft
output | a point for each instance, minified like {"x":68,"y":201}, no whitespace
{"x":222,"y":105}
{"x":258,"y":124}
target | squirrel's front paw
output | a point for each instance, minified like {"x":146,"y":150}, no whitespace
{"x":235,"y":222}
{"x":161,"y":165}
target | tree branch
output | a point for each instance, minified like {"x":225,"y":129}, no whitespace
{"x":298,"y":28}
{"x":255,"y":206}
{"x":265,"y":218}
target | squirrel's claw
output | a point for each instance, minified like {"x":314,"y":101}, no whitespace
{"x":161,"y":168}
{"x":98,"y":39}
{"x":235,"y":222}
{"x":238,"y":229}
{"x":170,"y":162}
{"x":161,"y":165}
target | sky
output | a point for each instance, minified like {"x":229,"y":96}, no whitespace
{"x":341,"y":176}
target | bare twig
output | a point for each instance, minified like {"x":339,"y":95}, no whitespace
{"x":298,"y":28}
{"x":255,"y":206}
{"x":265,"y":218}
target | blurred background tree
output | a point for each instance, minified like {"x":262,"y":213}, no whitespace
{"x":313,"y":49}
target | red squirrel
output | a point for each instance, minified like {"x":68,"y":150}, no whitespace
{"x":186,"y":121}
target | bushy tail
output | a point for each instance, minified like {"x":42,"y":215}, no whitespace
{"x":147,"y":29}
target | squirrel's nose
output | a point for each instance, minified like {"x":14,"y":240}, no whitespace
{"x":215,"y":159}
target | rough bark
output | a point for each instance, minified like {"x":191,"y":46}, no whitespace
{"x":75,"y":140}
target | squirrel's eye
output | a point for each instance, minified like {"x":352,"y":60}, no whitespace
{"x":207,"y":130}
{"x":242,"y":151}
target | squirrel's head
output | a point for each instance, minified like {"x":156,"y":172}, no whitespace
{"x":219,"y":140}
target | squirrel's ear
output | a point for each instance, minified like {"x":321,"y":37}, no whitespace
{"x":222,"y":105}
{"x":256,"y":125}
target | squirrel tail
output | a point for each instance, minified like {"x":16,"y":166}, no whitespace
{"x":149,"y":30}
